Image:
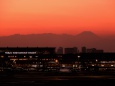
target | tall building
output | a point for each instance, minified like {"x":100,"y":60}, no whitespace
{"x":84,"y":50}
{"x":60,"y":50}
{"x":75,"y":50}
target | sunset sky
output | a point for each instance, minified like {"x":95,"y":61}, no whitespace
{"x":57,"y":16}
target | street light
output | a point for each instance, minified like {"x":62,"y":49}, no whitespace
{"x":78,"y":61}
{"x":96,"y":60}
{"x":78,"y":56}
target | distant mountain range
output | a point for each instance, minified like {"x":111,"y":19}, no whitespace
{"x":86,"y":38}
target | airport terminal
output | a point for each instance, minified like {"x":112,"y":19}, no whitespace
{"x":47,"y":59}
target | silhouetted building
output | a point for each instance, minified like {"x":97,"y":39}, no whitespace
{"x":45,"y":59}
{"x":28,"y":50}
{"x":94,"y":50}
{"x":84,"y":50}
{"x":60,"y":50}
{"x":73,"y":50}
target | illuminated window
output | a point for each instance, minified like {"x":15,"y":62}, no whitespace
{"x":102,"y":65}
{"x":34,"y":65}
{"x":112,"y":65}
{"x":2,"y":56}
{"x":36,"y":56}
{"x":56,"y":60}
{"x":41,"y":65}
{"x":63,"y":65}
{"x":14,"y":61}
{"x":93,"y":65}
{"x":73,"y":65}
{"x":30,"y":56}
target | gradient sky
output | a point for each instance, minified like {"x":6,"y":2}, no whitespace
{"x":57,"y":16}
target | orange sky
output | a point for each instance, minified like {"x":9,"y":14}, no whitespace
{"x":57,"y":16}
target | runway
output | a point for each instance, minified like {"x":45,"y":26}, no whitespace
{"x":43,"y":79}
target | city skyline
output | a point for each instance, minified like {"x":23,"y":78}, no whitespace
{"x":58,"y":17}
{"x":43,"y":66}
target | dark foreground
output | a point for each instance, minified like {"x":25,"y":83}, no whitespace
{"x":56,"y":79}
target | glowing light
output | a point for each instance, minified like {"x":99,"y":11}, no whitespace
{"x":112,"y":65}
{"x":63,"y":65}
{"x":56,"y":61}
{"x":78,"y":56}
{"x":2,"y":56}
{"x":93,"y":65}
{"x":96,"y":60}
{"x":73,"y":65}
{"x":102,"y":65}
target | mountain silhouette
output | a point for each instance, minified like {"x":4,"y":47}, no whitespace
{"x":87,"y":33}
{"x":86,"y":38}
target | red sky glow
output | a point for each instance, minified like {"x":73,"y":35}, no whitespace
{"x":57,"y":16}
